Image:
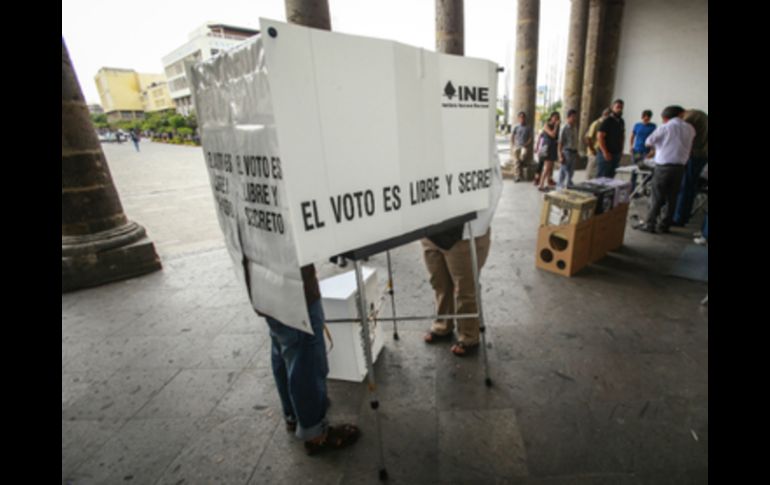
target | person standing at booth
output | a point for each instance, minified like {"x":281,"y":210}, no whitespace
{"x":447,"y":257}
{"x":300,"y":368}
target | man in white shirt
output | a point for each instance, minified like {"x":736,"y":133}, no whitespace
{"x":672,"y":143}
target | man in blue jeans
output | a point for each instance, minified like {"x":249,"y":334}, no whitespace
{"x":698,"y":159}
{"x":610,"y":140}
{"x":300,"y":369}
{"x":638,"y":136}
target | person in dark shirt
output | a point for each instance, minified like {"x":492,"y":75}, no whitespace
{"x":610,"y":141}
{"x":300,"y":368}
{"x":698,"y":159}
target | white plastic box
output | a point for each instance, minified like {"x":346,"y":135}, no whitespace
{"x":340,"y":300}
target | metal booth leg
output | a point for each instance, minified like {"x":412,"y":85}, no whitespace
{"x":482,"y":326}
{"x":392,"y":297}
{"x":369,"y":365}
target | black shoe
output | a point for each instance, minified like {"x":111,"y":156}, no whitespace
{"x":291,"y":425}
{"x":664,"y":230}
{"x":645,"y":228}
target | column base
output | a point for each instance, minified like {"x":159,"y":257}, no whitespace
{"x":101,"y":258}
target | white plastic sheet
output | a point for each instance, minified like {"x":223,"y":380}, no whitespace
{"x":376,"y":138}
{"x":233,"y":102}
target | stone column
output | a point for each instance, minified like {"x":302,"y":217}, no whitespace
{"x":590,"y":108}
{"x":609,"y":47}
{"x":99,"y":244}
{"x":576,"y":49}
{"x":525,"y":67}
{"x":310,"y":13}
{"x":450,"y":27}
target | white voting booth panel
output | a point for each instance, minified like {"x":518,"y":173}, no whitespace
{"x":319,"y":143}
{"x":340,"y":300}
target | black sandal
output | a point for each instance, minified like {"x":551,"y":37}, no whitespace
{"x":337,"y":437}
{"x":433,"y":337}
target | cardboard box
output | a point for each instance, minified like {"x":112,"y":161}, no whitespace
{"x":567,"y":207}
{"x":601,"y":236}
{"x":622,"y":189}
{"x":564,"y":249}
{"x":339,"y":296}
{"x":617,"y":231}
{"x":605,"y":196}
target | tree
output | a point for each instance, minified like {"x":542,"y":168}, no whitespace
{"x":177,"y":121}
{"x":100,"y":121}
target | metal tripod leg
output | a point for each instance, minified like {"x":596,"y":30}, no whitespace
{"x":477,"y":284}
{"x":392,"y":297}
{"x":369,"y":365}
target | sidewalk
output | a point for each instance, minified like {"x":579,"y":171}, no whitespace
{"x":598,"y":379}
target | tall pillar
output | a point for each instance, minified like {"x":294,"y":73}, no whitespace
{"x":525,"y":67}
{"x":576,"y":49}
{"x":310,"y":13}
{"x":609,"y":48}
{"x":450,"y":29}
{"x":591,"y":108}
{"x":99,"y":244}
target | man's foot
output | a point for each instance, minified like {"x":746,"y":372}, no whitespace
{"x":461,"y":349}
{"x":291,"y":425}
{"x":433,"y":337}
{"x":700,"y":240}
{"x":664,"y":229}
{"x":645,"y":228}
{"x":335,"y":438}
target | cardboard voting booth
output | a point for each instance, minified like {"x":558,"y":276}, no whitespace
{"x":319,"y":144}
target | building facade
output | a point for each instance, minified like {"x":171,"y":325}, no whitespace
{"x":119,"y":93}
{"x":204,"y":42}
{"x":156,"y":97}
{"x":127,"y":94}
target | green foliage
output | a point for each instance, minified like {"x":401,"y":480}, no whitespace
{"x":177,"y":121}
{"x":100,"y":121}
{"x":177,"y":127}
{"x":543,"y":112}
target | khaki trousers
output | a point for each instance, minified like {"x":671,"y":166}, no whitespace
{"x":592,"y":168}
{"x":518,"y":154}
{"x":451,"y":276}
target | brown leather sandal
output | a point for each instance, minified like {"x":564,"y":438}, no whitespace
{"x":337,"y":437}
{"x":461,"y":349}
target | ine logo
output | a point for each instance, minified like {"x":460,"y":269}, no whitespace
{"x":449,"y":90}
{"x":466,"y":93}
